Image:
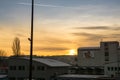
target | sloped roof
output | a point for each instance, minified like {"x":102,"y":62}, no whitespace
{"x":50,"y":62}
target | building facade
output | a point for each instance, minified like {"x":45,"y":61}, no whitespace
{"x":98,"y":60}
{"x":43,"y":68}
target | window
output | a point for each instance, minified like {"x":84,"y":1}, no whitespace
{"x":106,"y":58}
{"x":115,"y":68}
{"x":41,"y":68}
{"x":106,"y":53}
{"x":12,"y":67}
{"x":108,"y":68}
{"x":105,"y":44}
{"x":21,"y":67}
{"x":40,"y":78}
{"x":111,"y":68}
{"x":12,"y":78}
{"x":20,"y":78}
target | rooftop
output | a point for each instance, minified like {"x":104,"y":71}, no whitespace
{"x":81,"y":76}
{"x":50,"y":62}
{"x":90,"y":48}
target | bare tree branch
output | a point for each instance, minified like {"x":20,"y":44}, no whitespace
{"x":2,"y":53}
{"x":16,"y":47}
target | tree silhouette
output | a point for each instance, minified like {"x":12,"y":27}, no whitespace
{"x":2,"y":53}
{"x":16,"y":47}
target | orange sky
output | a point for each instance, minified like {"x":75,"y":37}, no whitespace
{"x":59,"y":26}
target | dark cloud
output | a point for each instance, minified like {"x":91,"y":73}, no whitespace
{"x":85,"y":34}
{"x":96,"y":37}
{"x":116,"y":28}
{"x":115,"y":34}
{"x":89,"y":36}
{"x":94,"y":27}
{"x":51,"y":48}
{"x":99,"y":28}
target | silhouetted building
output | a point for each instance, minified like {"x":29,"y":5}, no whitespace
{"x":99,"y":60}
{"x":3,"y":65}
{"x":43,"y":68}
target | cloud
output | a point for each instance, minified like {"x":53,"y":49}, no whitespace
{"x":42,"y":5}
{"x":93,"y":27}
{"x":96,"y":37}
{"x":56,"y":6}
{"x":99,"y":28}
{"x":53,"y":40}
{"x":50,"y":48}
{"x":89,"y":36}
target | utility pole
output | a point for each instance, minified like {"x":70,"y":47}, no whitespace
{"x":31,"y":40}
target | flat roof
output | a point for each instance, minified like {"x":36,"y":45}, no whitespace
{"x":88,"y":48}
{"x":50,"y":62}
{"x":81,"y":76}
{"x":3,"y":76}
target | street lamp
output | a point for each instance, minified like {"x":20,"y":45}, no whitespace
{"x":31,"y":40}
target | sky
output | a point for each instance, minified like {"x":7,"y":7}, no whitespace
{"x":60,"y":26}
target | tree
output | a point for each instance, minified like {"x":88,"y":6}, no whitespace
{"x":16,"y":47}
{"x":2,"y":53}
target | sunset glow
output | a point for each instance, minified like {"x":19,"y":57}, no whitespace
{"x":72,"y":52}
{"x":59,"y":25}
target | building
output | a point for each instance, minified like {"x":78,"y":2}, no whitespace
{"x":83,"y":77}
{"x":3,"y":77}
{"x":99,"y":60}
{"x":43,"y":68}
{"x":70,"y":59}
{"x":3,"y":65}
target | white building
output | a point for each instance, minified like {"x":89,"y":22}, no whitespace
{"x":43,"y":68}
{"x":98,"y":60}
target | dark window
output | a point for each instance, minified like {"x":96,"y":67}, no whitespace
{"x":41,"y":68}
{"x":106,"y":48}
{"x":115,"y":68}
{"x":21,"y":67}
{"x":106,"y":58}
{"x":20,"y":79}
{"x":105,"y":44}
{"x":11,"y":78}
{"x":106,"y":53}
{"x":12,"y":67}
{"x":40,"y":78}
{"x":111,"y":68}
{"x":108,"y":68}
{"x":119,"y":68}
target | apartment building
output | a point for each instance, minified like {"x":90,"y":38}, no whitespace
{"x":103,"y":59}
